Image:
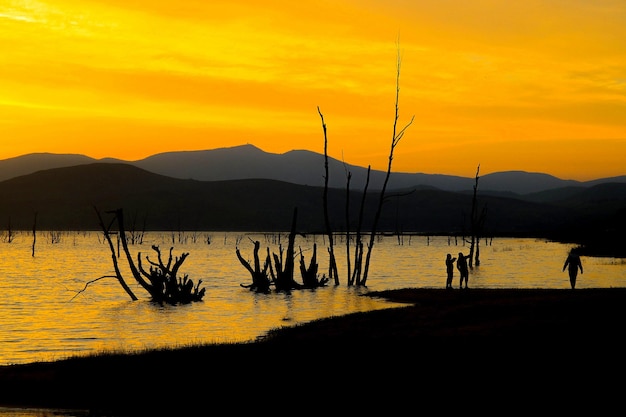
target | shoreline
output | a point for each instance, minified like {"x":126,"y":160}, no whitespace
{"x":439,"y":335}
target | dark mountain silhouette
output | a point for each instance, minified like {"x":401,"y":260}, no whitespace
{"x":521,"y":182}
{"x":297,"y":167}
{"x":33,"y":162}
{"x":65,"y":198}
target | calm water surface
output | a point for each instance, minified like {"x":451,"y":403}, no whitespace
{"x":45,"y":316}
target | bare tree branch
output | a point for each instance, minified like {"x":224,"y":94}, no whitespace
{"x":91,"y":282}
{"x":395,"y":139}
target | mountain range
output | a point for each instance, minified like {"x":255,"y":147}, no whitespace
{"x":296,"y":166}
{"x":246,"y":189}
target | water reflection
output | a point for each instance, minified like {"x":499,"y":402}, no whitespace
{"x":43,"y":318}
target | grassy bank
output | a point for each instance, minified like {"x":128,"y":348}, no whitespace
{"x":511,"y":344}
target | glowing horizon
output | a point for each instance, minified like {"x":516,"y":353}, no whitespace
{"x":537,"y":86}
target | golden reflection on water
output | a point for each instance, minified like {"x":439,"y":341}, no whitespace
{"x":44,"y":316}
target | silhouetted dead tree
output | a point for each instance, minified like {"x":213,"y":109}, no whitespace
{"x":359,"y":277}
{"x":332,"y":266}
{"x":10,"y":234}
{"x":118,"y":274}
{"x":282,"y":272}
{"x":136,"y":236}
{"x":309,"y":274}
{"x":395,"y":139}
{"x":477,"y":222}
{"x":166,"y":286}
{"x":348,"y":261}
{"x":260,"y":278}
{"x":161,"y":281}
{"x":34,"y":235}
{"x":358,"y":236}
{"x":285,"y":267}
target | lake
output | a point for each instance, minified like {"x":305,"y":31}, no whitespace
{"x":47,"y":312}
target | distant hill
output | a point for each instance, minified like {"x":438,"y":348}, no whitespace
{"x":27,"y":164}
{"x":65,"y":199}
{"x":297,"y":167}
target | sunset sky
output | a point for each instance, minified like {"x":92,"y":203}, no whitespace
{"x":534,"y":85}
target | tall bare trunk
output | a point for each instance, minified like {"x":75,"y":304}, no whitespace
{"x":118,"y":273}
{"x":348,"y":262}
{"x":475,"y":225}
{"x":395,"y":139}
{"x":332,"y":266}
{"x":34,"y":235}
{"x":358,"y":241}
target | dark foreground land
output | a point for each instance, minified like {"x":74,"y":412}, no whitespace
{"x":503,"y":351}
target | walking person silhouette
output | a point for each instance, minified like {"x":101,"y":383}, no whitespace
{"x":573,"y":264}
{"x":461,"y":265}
{"x":450,"y":270}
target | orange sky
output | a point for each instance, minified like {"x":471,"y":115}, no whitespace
{"x":538,"y":85}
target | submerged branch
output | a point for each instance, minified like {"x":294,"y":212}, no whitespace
{"x":91,"y":282}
